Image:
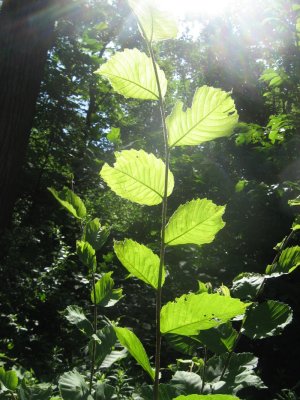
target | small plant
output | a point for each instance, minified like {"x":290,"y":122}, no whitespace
{"x":196,"y":324}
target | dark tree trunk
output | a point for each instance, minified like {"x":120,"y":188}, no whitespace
{"x":26,"y":34}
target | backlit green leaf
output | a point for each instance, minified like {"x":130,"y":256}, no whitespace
{"x":156,"y":24}
{"x":70,"y":201}
{"x":288,"y":261}
{"x":137,"y":176}
{"x":132,"y":343}
{"x":197,"y":222}
{"x":294,"y":202}
{"x":86,"y":254}
{"x":191,"y":313}
{"x":106,"y":295}
{"x":95,"y":234}
{"x":131,"y":74}
{"x":211,"y":116}
{"x":9,"y":379}
{"x":114,"y":135}
{"x":267,"y":319}
{"x":140,"y":261}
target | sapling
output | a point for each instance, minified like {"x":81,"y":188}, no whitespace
{"x":194,"y":319}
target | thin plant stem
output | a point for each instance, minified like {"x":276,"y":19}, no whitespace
{"x":95,"y":332}
{"x":163,"y":228}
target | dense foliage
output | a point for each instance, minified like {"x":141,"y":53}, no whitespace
{"x":51,"y":258}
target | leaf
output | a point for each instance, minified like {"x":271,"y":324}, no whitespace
{"x":106,"y":296}
{"x":41,"y":391}
{"x":288,"y":261}
{"x":274,"y":78}
{"x":166,"y":392}
{"x":104,"y":391}
{"x":104,"y":341}
{"x":140,"y":261}
{"x":197,"y":222}
{"x":95,"y":234}
{"x":75,"y":316}
{"x":9,"y":379}
{"x":72,"y":386}
{"x":113,"y":357}
{"x":246,"y":285}
{"x":211,"y":116}
{"x":191,"y":313}
{"x":70,"y":201}
{"x":132,"y":343}
{"x":240,"y":185}
{"x":114,"y":135}
{"x":137,"y":176}
{"x":184,"y":344}
{"x":267,"y":319}
{"x":156,"y":24}
{"x":238,"y":375}
{"x":187,"y":382}
{"x":220,"y":339}
{"x":294,"y":202}
{"x":207,"y":397}
{"x":131,"y":74}
{"x":86,"y":254}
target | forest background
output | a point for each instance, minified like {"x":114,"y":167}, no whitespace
{"x":251,"y":50}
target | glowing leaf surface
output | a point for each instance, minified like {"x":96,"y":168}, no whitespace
{"x":211,"y":116}
{"x":131,"y":74}
{"x":191,"y":313}
{"x":156,"y":24}
{"x":197,"y":222}
{"x":132,"y":343}
{"x":140,"y":261}
{"x":137,"y":176}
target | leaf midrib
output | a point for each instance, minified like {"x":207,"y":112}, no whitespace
{"x":132,"y":82}
{"x":199,"y":122}
{"x":222,"y":318}
{"x":193,"y":227}
{"x":137,"y":180}
{"x":135,"y":269}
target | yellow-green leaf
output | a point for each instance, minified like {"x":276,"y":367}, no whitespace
{"x":211,"y":116}
{"x":86,"y":254}
{"x":191,"y":313}
{"x":196,"y":222}
{"x":154,"y":23}
{"x":104,"y":294}
{"x":288,"y":261}
{"x":131,"y":74}
{"x":137,"y":176}
{"x":70,"y":201}
{"x":140,"y":261}
{"x":132,"y":343}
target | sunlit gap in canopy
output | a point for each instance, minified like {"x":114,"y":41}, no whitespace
{"x":199,"y":7}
